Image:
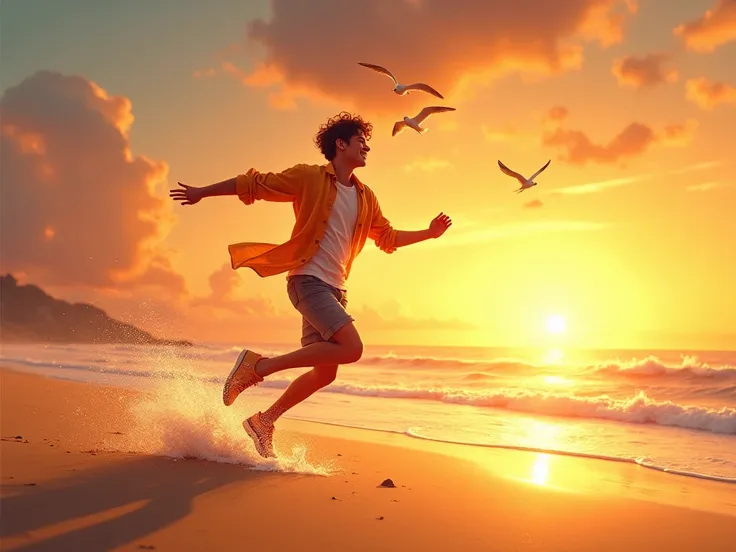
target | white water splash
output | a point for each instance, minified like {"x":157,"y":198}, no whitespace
{"x":182,"y":418}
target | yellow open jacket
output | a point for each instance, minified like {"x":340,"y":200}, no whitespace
{"x":312,"y":189}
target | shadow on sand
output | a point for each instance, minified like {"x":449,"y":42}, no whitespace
{"x":164,"y":489}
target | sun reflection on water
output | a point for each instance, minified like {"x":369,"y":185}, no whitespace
{"x":540,"y":469}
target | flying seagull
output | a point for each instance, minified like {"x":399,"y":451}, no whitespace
{"x":416,"y":121}
{"x":525,"y":182}
{"x":402,"y":89}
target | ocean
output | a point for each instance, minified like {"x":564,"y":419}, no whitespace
{"x":673,"y":411}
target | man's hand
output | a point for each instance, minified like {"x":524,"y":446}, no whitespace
{"x":439,"y":225}
{"x":188,"y":195}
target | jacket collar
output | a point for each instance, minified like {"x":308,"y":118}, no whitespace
{"x":330,"y":169}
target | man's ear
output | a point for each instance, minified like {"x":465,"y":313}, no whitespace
{"x":341,"y":145}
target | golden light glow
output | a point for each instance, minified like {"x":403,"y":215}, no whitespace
{"x":556,"y":380}
{"x":556,"y":324}
{"x":553,"y":356}
{"x":540,"y":469}
{"x":539,"y":434}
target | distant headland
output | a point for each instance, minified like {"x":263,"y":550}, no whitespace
{"x":29,"y":315}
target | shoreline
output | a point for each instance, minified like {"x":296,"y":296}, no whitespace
{"x":555,"y":452}
{"x":72,"y":482}
{"x":410,"y":434}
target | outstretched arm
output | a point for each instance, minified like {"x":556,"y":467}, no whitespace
{"x":388,"y":239}
{"x":249,"y":187}
{"x":189,"y":195}
{"x":225,"y":187}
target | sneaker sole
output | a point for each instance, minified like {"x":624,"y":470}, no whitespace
{"x":238,"y":363}
{"x":252,"y":434}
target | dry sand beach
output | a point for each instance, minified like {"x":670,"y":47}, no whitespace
{"x":69,"y":482}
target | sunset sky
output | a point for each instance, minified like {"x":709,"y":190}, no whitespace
{"x":630,"y":235}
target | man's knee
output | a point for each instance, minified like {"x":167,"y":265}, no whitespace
{"x":349,"y":338}
{"x":325,"y":374}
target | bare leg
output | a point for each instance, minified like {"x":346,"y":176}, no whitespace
{"x":299,"y":390}
{"x":346,"y":349}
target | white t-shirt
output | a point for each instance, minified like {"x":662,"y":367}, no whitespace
{"x":329,"y":261}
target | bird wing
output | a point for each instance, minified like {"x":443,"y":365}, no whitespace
{"x":427,"y":111}
{"x":536,"y":174}
{"x":511,"y":173}
{"x":425,"y":88}
{"x":398,"y":127}
{"x":381,"y":70}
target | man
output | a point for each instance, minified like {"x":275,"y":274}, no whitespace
{"x":335,"y":214}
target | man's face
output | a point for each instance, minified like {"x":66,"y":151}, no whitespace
{"x":356,"y":150}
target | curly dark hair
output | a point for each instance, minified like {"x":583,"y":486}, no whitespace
{"x":342,"y":126}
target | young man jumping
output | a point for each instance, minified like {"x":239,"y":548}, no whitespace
{"x":335,"y":214}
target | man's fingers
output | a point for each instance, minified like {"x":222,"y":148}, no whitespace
{"x":183,"y":190}
{"x":443,"y":219}
{"x":183,"y":198}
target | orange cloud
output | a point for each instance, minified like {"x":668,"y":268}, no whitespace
{"x":533,"y":204}
{"x":78,"y":208}
{"x":634,"y":140}
{"x":159,"y":273}
{"x":556,"y":114}
{"x":679,"y":134}
{"x":643,"y":71}
{"x":708,"y":94}
{"x":430,"y":41}
{"x":226,"y":294}
{"x":716,"y":28}
{"x":227,"y":314}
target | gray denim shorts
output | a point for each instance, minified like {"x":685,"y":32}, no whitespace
{"x":321,"y":305}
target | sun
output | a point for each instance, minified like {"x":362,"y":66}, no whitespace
{"x":556,"y":324}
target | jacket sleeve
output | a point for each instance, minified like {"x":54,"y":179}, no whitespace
{"x":381,"y":230}
{"x":281,"y":186}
